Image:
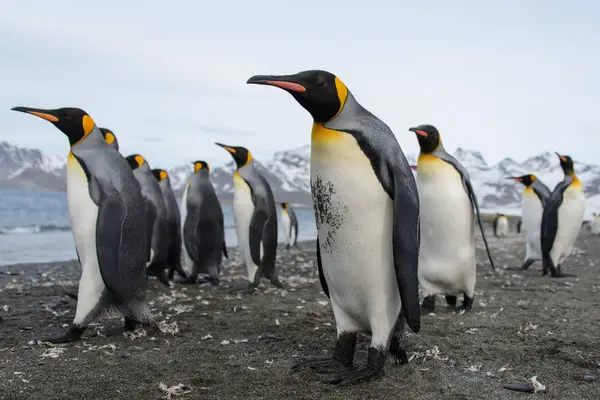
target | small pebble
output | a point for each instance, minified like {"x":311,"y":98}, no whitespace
{"x":135,"y":348}
{"x":589,"y":378}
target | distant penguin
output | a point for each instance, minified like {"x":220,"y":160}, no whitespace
{"x":449,"y":211}
{"x":519,"y":223}
{"x":255,"y":218}
{"x":595,"y":224}
{"x":110,"y":138}
{"x":108,"y":224}
{"x":500,"y":225}
{"x":562,"y":219}
{"x":157,"y":225}
{"x":535,"y":196}
{"x":203,"y":227}
{"x":173,"y":221}
{"x":367,"y":213}
{"x":289,"y":224}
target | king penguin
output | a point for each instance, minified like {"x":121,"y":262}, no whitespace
{"x":173,"y":222}
{"x":203,"y":227}
{"x":595,"y":224}
{"x":255,"y":218}
{"x":535,"y":196}
{"x":110,"y":138}
{"x":449,"y":211}
{"x":108,"y":224}
{"x":289,"y":223}
{"x":562,"y":219}
{"x":157,"y":227}
{"x":500,"y":225}
{"x":367,"y":214}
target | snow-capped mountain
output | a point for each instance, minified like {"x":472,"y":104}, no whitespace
{"x":288,"y":173}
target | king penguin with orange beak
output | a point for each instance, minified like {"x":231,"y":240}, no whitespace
{"x":367,"y":213}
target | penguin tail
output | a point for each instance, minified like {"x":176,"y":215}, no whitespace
{"x":225,"y":250}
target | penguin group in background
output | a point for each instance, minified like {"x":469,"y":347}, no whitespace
{"x":500,"y":225}
{"x":110,"y":138}
{"x":289,"y":223}
{"x":449,"y":211}
{"x":108,"y":223}
{"x":255,"y":218}
{"x":595,"y":224}
{"x":203,"y":228}
{"x":367,"y":214}
{"x":562,"y":219}
{"x":173,"y":222}
{"x":535,"y":196}
{"x":157,"y":229}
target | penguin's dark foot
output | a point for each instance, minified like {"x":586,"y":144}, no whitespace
{"x":171,"y":274}
{"x":72,"y":334}
{"x":428,"y":304}
{"x":559,"y":274}
{"x":526,"y":265}
{"x":467,"y":303}
{"x":451,"y":300}
{"x":342,"y":359}
{"x":373,"y":370}
{"x":275,"y":282}
{"x":74,"y":296}
{"x":127,"y":327}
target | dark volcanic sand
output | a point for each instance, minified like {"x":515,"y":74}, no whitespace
{"x":531,"y":326}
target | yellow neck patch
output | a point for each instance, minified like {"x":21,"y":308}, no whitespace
{"x":342,"y":92}
{"x":576,"y":182}
{"x":249,"y":158}
{"x":163,"y":175}
{"x":139,"y":160}
{"x":110,"y":138}
{"x":88,"y":125}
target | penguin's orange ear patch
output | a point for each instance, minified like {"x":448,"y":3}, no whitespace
{"x":140,"y":160}
{"x":163,"y":175}
{"x":88,"y":124}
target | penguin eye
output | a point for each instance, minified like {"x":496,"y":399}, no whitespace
{"x":320,"y":82}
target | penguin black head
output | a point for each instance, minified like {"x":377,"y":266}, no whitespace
{"x":284,"y":205}
{"x":200,"y":165}
{"x":321,"y":93}
{"x":526,"y":180}
{"x":428,"y":136}
{"x":160,"y":174}
{"x":241,"y":155}
{"x":73,"y":122}
{"x":135,"y":160}
{"x":109,"y":137}
{"x":567,"y":164}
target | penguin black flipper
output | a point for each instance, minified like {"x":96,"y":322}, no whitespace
{"x":294,"y":223}
{"x":257,"y":227}
{"x":225,"y":250}
{"x":150,"y":218}
{"x":550,"y":217}
{"x":320,"y":267}
{"x":189,"y":234}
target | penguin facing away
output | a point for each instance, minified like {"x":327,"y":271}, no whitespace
{"x":289,"y":224}
{"x":535,"y":196}
{"x":157,"y":229}
{"x":108,"y":224}
{"x":203,"y":228}
{"x":110,"y":138}
{"x":449,"y":211}
{"x":500,"y":225}
{"x":255,"y":218}
{"x":562,"y":219}
{"x":367,"y":213}
{"x":173,"y":222}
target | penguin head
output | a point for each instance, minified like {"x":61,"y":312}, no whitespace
{"x":73,"y":122}
{"x":160,"y":174}
{"x":321,"y":93}
{"x":110,"y":137}
{"x":200,"y":165}
{"x":135,"y":161}
{"x":567,"y":164}
{"x":428,"y":137}
{"x":526,"y":180}
{"x":284,"y":205}
{"x":241,"y":155}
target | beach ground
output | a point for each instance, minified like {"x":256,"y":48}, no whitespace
{"x":224,"y":346}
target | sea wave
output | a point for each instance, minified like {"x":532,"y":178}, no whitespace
{"x":32,"y":229}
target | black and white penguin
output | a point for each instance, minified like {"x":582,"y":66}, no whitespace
{"x":367,"y":213}
{"x":110,"y":138}
{"x":449,"y":212}
{"x":203,"y":228}
{"x":108,"y":224}
{"x":157,"y":225}
{"x":500,"y":225}
{"x":519,"y":224}
{"x":562,"y":219}
{"x":595,"y":224}
{"x":173,"y":222}
{"x":535,"y":196}
{"x":255,"y":218}
{"x":289,"y":223}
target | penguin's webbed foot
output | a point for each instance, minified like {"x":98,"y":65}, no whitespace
{"x":451,"y":300}
{"x":72,"y":334}
{"x":275,"y":282}
{"x":373,"y":370}
{"x":526,"y":264}
{"x":467,"y":304}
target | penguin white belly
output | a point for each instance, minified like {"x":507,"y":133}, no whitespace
{"x":570,"y":217}
{"x":243,"y":208}
{"x":532,"y":223}
{"x":447,"y":253}
{"x":83,"y":214}
{"x":187,"y":261}
{"x":595,"y":226}
{"x":286,"y":225}
{"x":354,"y":224}
{"x":502,"y":227}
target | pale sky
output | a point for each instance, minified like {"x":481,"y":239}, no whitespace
{"x":507,"y":78}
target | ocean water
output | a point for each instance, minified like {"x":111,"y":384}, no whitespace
{"x":35,"y":227}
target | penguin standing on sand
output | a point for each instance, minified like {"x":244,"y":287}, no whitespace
{"x":449,"y":211}
{"x":173,"y":222}
{"x":203,"y":227}
{"x":255,"y":218}
{"x":562,"y":219}
{"x":157,"y":226}
{"x":367,"y":213}
{"x":500,"y":225}
{"x":289,"y":224}
{"x":110,"y":138}
{"x":108,"y":224}
{"x":535,"y":196}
